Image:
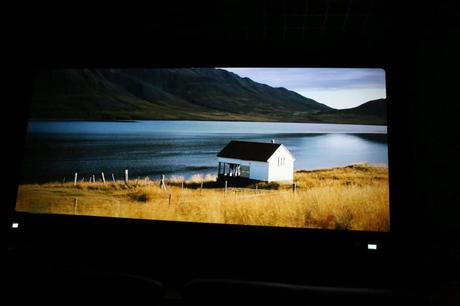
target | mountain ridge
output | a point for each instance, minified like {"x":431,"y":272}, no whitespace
{"x":372,"y":112}
{"x":168,"y":93}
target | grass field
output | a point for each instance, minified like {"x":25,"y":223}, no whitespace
{"x":354,"y":197}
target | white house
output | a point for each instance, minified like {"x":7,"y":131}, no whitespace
{"x":269,"y":162}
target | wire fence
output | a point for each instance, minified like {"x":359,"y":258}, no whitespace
{"x":88,"y":205}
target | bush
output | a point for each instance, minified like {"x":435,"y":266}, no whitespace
{"x":269,"y":186}
{"x":140,"y":196}
{"x":344,"y":222}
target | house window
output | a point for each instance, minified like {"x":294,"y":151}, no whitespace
{"x":244,"y":171}
{"x":281,"y":161}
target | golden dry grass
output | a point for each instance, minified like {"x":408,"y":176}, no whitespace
{"x":354,"y":197}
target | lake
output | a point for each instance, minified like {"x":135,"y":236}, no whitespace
{"x":57,"y":149}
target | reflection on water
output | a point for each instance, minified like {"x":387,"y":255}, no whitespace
{"x":175,"y":127}
{"x":379,"y":138}
{"x":149,"y":148}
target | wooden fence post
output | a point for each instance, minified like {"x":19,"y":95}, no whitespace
{"x":294,"y":187}
{"x":169,"y":201}
{"x":103,"y":177}
{"x":163,"y":183}
{"x":126,"y":176}
{"x":75,"y":205}
{"x":75,"y":179}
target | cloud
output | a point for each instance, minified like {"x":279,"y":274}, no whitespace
{"x":326,"y":85}
{"x":315,"y":78}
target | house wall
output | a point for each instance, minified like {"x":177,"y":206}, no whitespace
{"x":257,"y":170}
{"x":283,"y":172}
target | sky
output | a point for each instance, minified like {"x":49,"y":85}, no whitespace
{"x":336,"y":87}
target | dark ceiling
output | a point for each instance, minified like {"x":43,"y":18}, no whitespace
{"x":328,"y":27}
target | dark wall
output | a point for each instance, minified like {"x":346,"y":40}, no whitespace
{"x":418,"y":46}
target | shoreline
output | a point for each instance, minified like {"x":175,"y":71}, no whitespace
{"x":216,"y":120}
{"x":204,"y":175}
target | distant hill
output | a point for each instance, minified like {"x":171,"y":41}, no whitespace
{"x":373,"y":108}
{"x":194,"y":93}
{"x":371,"y":112}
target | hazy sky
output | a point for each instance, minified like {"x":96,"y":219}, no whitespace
{"x":335,"y":87}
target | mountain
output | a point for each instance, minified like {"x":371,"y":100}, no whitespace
{"x":371,"y":112}
{"x":372,"y":108}
{"x":191,"y":93}
{"x":195,"y":93}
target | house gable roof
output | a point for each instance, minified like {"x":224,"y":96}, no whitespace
{"x":282,"y":148}
{"x":247,"y":150}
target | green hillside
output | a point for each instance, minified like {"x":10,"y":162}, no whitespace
{"x":371,"y":112}
{"x":192,"y":93}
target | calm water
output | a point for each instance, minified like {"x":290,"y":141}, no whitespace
{"x":55,"y":150}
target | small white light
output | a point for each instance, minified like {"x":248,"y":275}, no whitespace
{"x":371,"y":246}
{"x":15,"y":225}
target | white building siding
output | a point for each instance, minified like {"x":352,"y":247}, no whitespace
{"x":284,"y":173}
{"x":258,"y":171}
{"x":281,"y":166}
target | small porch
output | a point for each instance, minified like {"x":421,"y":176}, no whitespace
{"x":233,"y":170}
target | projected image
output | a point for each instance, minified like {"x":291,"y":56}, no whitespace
{"x":286,"y":147}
